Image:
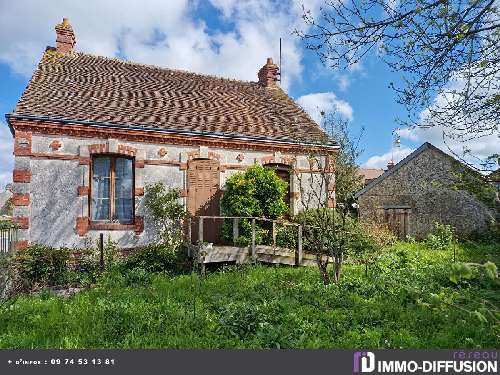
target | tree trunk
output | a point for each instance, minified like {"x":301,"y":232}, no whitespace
{"x":323,"y":269}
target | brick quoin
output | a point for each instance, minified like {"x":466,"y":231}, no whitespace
{"x":19,"y":199}
{"x":22,"y":143}
{"x":22,"y":221}
{"x":139,"y":191}
{"x":82,"y":226}
{"x":20,"y":245}
{"x":19,"y":175}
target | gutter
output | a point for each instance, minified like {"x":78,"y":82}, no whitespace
{"x":109,"y":125}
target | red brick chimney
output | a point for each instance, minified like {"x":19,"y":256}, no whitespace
{"x":268,"y":74}
{"x":65,"y":39}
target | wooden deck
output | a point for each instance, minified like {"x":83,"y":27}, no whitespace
{"x":263,"y":254}
{"x":216,"y":253}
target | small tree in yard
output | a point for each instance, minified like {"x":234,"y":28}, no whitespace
{"x":168,"y":214}
{"x":326,"y":196}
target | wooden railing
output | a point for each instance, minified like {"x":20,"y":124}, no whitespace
{"x":236,"y":219}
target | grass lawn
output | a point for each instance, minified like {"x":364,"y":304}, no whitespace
{"x":268,"y":307}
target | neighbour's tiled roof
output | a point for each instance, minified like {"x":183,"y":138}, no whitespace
{"x":370,"y":173}
{"x":78,"y":86}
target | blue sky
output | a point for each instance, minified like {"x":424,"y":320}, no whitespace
{"x":222,"y":37}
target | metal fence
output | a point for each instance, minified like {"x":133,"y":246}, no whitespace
{"x":8,"y":237}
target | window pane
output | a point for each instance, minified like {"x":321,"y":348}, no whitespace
{"x":100,"y":209}
{"x":124,"y":190}
{"x":123,"y":209}
{"x":100,"y":188}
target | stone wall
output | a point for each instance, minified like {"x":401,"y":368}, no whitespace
{"x":51,"y":178}
{"x":423,"y":185}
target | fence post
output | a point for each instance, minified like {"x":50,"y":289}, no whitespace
{"x":254,"y":250}
{"x":200,"y":230}
{"x":101,"y":251}
{"x":274,"y":233}
{"x":236,"y":230}
{"x":299,"y":247}
{"x":189,"y":241}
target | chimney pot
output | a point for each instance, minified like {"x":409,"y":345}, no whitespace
{"x":65,"y":37}
{"x":268,"y":74}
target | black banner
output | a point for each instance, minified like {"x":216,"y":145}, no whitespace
{"x":221,"y":362}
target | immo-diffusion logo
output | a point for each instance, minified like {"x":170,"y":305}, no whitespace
{"x":366,"y":360}
{"x":474,"y":363}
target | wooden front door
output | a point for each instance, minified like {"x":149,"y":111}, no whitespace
{"x":397,"y":219}
{"x":204,"y":197}
{"x":283,"y":172}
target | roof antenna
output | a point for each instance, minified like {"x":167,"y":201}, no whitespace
{"x":396,"y":142}
{"x":280,"y":70}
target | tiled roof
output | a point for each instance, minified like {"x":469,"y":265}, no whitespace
{"x":78,"y":86}
{"x":370,"y":173}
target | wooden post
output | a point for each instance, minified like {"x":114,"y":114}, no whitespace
{"x":299,"y":247}
{"x":189,"y":240}
{"x":236,"y":230}
{"x":201,"y":259}
{"x":254,"y":250}
{"x":200,"y":230}
{"x":101,"y":250}
{"x":274,"y":233}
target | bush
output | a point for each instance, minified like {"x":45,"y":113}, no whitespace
{"x":441,"y":238}
{"x":381,"y":234}
{"x":39,"y":266}
{"x":257,"y":192}
{"x":157,"y":258}
{"x":168,"y":213}
{"x":287,"y":236}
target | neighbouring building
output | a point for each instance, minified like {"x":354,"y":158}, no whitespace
{"x":419,"y":191}
{"x":90,"y":133}
{"x":369,"y":174}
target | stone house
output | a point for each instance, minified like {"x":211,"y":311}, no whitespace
{"x":90,"y":133}
{"x":419,"y":191}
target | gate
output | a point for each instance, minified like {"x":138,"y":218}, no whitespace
{"x":8,"y":237}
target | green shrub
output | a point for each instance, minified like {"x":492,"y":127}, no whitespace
{"x":168,"y":213}
{"x":39,"y":266}
{"x":441,"y":238}
{"x":287,"y":236}
{"x":257,"y":192}
{"x":137,"y":276}
{"x":157,"y":258}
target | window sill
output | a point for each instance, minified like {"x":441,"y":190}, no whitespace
{"x":111,"y":226}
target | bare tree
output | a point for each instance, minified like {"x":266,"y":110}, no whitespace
{"x":447,"y":51}
{"x":326,"y":192}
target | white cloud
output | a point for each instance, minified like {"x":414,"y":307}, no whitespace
{"x":159,"y":32}
{"x":381,"y":161}
{"x":6,"y":159}
{"x":470,"y":150}
{"x":315,"y":103}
